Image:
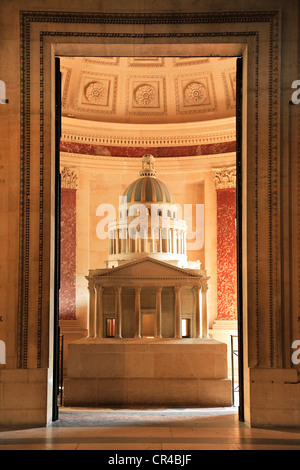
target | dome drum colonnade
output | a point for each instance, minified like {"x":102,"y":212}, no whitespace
{"x":167,"y":239}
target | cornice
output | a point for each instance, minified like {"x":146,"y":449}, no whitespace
{"x":167,"y":164}
{"x":202,"y":133}
{"x":191,"y":17}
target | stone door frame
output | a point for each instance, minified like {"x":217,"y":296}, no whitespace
{"x":255,"y":36}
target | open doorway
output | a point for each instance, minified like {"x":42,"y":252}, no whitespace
{"x":169,"y":107}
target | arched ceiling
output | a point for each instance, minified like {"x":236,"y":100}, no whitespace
{"x":130,"y":105}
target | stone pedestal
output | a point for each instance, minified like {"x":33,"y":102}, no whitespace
{"x":222,"y":330}
{"x":191,"y":372}
{"x":71,"y":331}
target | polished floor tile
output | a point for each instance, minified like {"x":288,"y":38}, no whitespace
{"x":141,"y":429}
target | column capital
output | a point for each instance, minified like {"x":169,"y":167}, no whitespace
{"x":138,"y":289}
{"x":69,"y":178}
{"x":197,"y":289}
{"x":118,"y":288}
{"x":225,"y":178}
{"x":204,"y":288}
{"x":91,"y":285}
{"x":99,"y":288}
{"x":158,"y":289}
{"x":177,"y":288}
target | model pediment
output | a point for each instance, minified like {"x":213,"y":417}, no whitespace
{"x":149,"y":268}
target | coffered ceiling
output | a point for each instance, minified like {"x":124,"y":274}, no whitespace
{"x":148,"y":90}
{"x":127,"y":105}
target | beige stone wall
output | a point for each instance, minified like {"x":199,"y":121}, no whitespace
{"x":267,"y":36}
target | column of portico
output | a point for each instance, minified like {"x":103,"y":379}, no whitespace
{"x":158,"y":313}
{"x":99,"y":312}
{"x":138,"y":312}
{"x":92,"y":311}
{"x":204,"y":312}
{"x":177,"y":290}
{"x":118,"y":312}
{"x":197,"y":312}
{"x":201,"y":313}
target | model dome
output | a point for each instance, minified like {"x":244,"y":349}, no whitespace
{"x":148,"y":189}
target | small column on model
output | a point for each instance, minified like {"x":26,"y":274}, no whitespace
{"x":99,"y":312}
{"x":158,"y":313}
{"x":92,"y":311}
{"x":118,"y":312}
{"x":138,"y":312}
{"x":177,"y":312}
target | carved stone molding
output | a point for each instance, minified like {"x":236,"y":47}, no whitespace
{"x":69,"y":178}
{"x":195,"y":93}
{"x":145,"y":95}
{"x":225,"y":178}
{"x":95,"y":93}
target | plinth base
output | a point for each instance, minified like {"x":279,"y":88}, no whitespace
{"x":185,"y":372}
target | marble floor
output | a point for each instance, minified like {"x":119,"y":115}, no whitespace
{"x":159,"y":429}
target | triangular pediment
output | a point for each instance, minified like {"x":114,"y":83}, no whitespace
{"x":148,"y":268}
